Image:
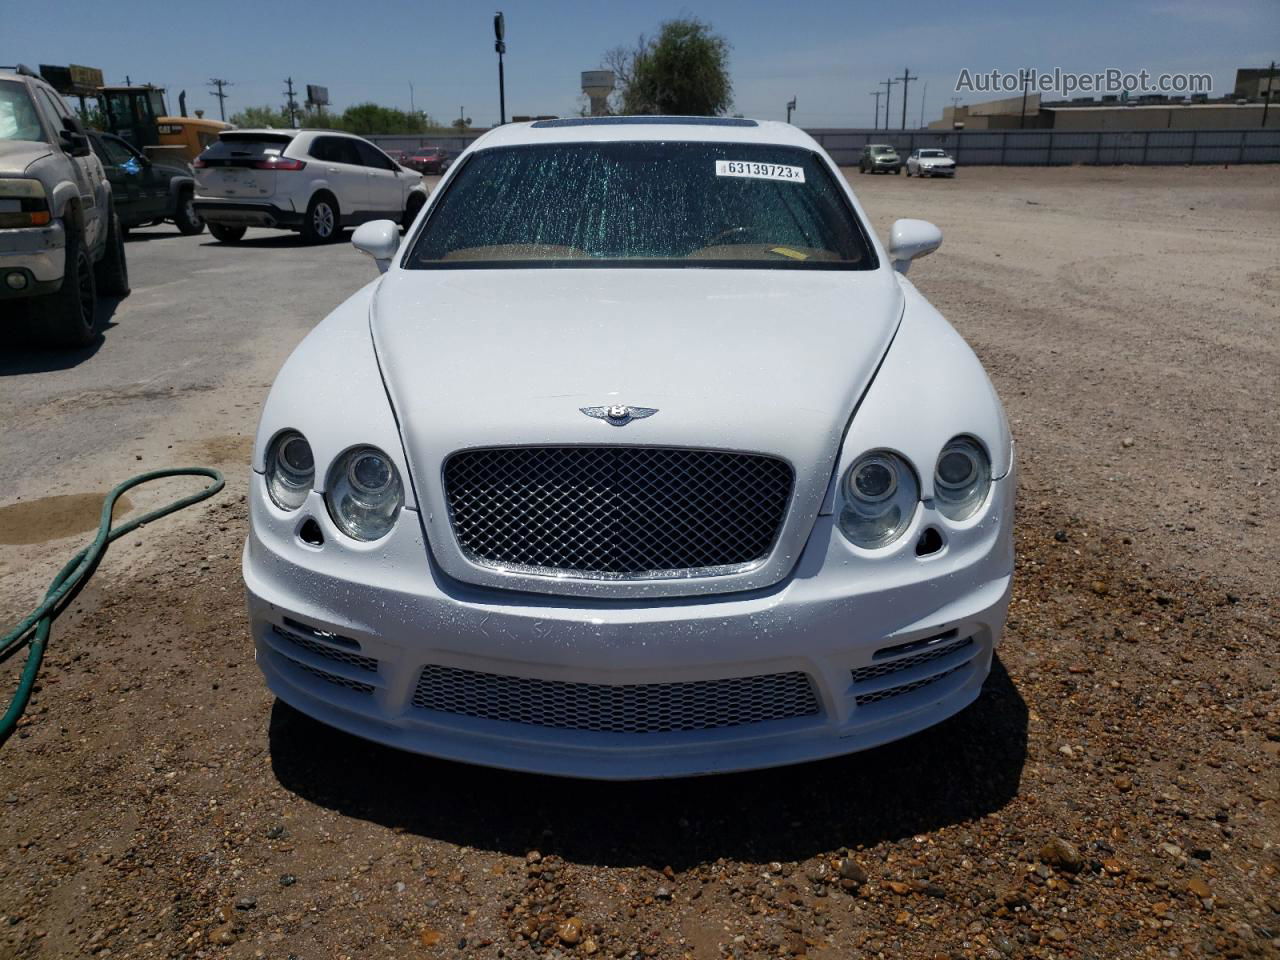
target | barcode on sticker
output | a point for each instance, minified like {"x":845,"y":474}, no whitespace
{"x":759,"y":171}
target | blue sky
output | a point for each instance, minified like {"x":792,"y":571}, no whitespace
{"x":827,"y":54}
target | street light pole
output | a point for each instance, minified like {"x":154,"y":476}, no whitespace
{"x":500,"y":45}
{"x":791,"y":105}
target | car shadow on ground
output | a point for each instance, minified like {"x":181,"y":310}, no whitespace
{"x":29,"y":355}
{"x":964,"y":768}
{"x":141,"y":234}
{"x":285,"y":238}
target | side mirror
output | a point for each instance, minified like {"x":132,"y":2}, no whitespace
{"x":380,"y":239}
{"x":910,"y":239}
{"x":73,"y":138}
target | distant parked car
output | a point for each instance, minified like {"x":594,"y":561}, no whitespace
{"x":314,"y":182}
{"x":930,"y":162}
{"x":144,"y":191}
{"x":397,"y":155}
{"x":879,"y":158}
{"x":428,"y":160}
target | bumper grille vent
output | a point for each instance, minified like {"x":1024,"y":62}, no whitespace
{"x":616,"y":512}
{"x":607,"y":708}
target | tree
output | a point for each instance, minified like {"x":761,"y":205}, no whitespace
{"x":366,"y":118}
{"x":263,"y":116}
{"x":683,"y":71}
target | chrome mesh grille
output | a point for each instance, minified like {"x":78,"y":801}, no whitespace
{"x":616,"y":511}
{"x":876,"y":670}
{"x":607,"y":708}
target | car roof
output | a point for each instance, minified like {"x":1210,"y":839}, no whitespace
{"x":613,"y":129}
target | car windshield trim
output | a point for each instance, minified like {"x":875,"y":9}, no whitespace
{"x":828,"y":207}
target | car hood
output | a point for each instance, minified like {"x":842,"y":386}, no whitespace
{"x":931,"y":161}
{"x":766,"y":361}
{"x":17,"y":155}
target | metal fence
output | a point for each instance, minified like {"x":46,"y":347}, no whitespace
{"x":1062,"y":147}
{"x":1014,"y":147}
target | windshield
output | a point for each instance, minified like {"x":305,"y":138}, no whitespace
{"x":18,"y":118}
{"x":881,"y":150}
{"x":932,"y":153}
{"x":643,"y":204}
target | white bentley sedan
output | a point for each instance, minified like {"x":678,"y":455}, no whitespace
{"x":641,"y":457}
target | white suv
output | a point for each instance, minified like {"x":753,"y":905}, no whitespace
{"x":313,"y":181}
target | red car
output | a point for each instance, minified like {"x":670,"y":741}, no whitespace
{"x":426,"y":160}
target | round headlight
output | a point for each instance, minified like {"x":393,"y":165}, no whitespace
{"x":291,"y":470}
{"x":365,"y":494}
{"x":880,"y":497}
{"x":962,"y":478}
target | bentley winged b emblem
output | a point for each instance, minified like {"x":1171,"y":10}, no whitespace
{"x":619,"y":414}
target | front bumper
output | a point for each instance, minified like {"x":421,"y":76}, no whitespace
{"x":38,"y":253}
{"x":371,"y":644}
{"x":930,"y":171}
{"x":248,"y":213}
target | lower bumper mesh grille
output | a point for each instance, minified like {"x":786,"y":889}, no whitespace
{"x":607,"y":708}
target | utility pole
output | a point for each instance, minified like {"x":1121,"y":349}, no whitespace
{"x":222,"y":97}
{"x":888,"y":97}
{"x":291,"y":104}
{"x":1271,"y":85}
{"x":1024,"y":76}
{"x":923,"y":97}
{"x":500,"y":45}
{"x":877,"y":94}
{"x":127,"y":81}
{"x":791,"y":105}
{"x":412,"y":108}
{"x":906,"y":79}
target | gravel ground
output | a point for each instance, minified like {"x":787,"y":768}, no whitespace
{"x":1112,"y":794}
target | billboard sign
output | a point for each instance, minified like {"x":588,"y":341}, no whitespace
{"x":317,"y":96}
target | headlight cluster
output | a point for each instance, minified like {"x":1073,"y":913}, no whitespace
{"x":880,"y":491}
{"x":364,"y":493}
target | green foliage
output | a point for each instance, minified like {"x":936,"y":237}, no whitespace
{"x":260,"y":117}
{"x":366,"y":118}
{"x":683,"y":71}
{"x":362,"y":118}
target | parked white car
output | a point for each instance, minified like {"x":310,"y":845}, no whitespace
{"x":641,"y":458}
{"x":312,"y":181}
{"x":930,"y":162}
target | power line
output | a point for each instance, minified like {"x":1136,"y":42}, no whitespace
{"x":906,"y":79}
{"x":222,"y":97}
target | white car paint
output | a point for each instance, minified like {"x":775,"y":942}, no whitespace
{"x":815,"y":367}
{"x":365,"y":182}
{"x":930,"y":162}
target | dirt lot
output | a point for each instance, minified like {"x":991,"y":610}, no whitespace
{"x":1114,"y":793}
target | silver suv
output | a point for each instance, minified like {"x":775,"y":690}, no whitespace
{"x":60,"y":242}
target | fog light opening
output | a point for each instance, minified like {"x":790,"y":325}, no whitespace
{"x":930,"y":542}
{"x":16,"y":280}
{"x":309,"y":533}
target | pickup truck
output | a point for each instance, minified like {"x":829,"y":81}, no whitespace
{"x":61,"y":244}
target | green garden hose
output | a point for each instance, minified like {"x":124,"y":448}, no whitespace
{"x":33,"y":631}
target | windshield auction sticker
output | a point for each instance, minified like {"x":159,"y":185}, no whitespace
{"x":759,"y":171}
